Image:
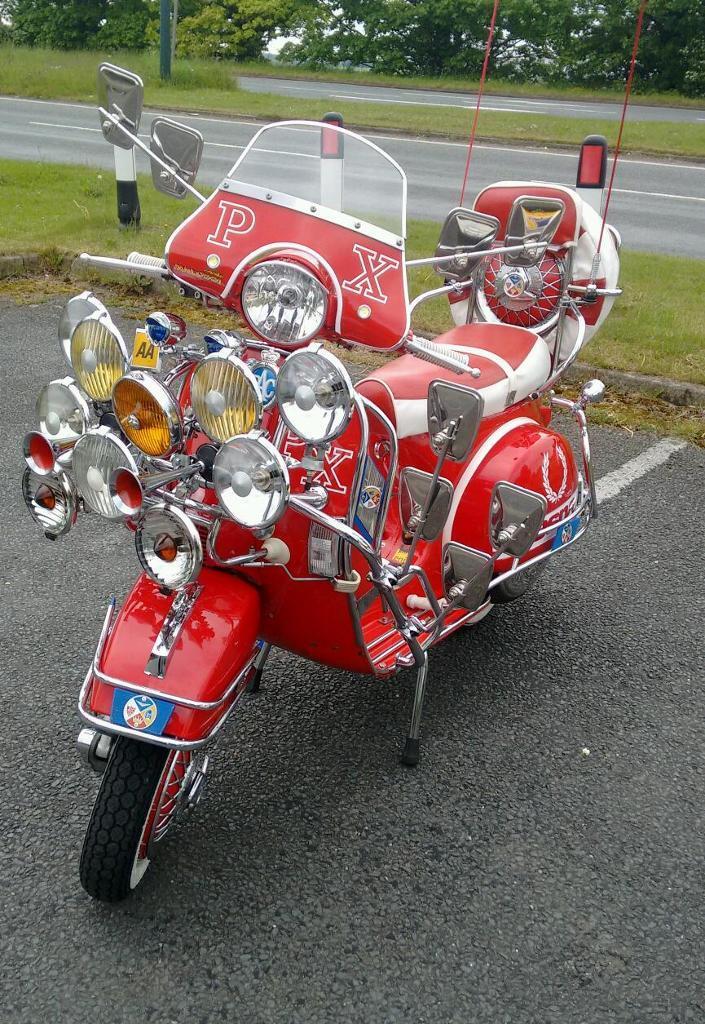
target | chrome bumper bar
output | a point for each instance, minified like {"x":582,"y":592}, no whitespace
{"x":104,"y":725}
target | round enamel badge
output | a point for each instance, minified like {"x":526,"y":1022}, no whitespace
{"x":140,"y":712}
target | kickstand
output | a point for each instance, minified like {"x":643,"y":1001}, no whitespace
{"x":259,"y":663}
{"x":410,"y":753}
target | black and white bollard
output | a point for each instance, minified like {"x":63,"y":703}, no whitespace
{"x":128,"y":201}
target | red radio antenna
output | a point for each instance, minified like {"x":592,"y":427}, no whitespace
{"x":627,"y":95}
{"x":481,"y":89}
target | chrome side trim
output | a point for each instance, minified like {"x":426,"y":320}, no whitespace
{"x":171,"y":628}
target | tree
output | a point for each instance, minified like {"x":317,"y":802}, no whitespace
{"x":80,"y":24}
{"x":236,"y":30}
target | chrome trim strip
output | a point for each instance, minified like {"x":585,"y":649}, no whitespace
{"x":393,"y":463}
{"x":172,"y":625}
{"x":315,"y":210}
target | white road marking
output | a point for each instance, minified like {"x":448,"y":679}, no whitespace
{"x":284,"y":152}
{"x":417,"y":103}
{"x":388,"y":138}
{"x":609,"y":486}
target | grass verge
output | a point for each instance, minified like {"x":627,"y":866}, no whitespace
{"x":211,"y":86}
{"x":656,"y":328}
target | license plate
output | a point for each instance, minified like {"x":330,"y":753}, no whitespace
{"x":145,"y":353}
{"x":566,"y":533}
{"x":139,"y":712}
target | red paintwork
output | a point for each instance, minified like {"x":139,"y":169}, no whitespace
{"x":215,"y":643}
{"x":364,"y":270}
{"x":284,"y":605}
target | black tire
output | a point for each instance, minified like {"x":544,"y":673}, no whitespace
{"x":132,"y":776}
{"x":516,"y":586}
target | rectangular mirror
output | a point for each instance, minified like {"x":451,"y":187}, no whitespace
{"x":516,"y":516}
{"x":413,"y":493}
{"x":121,"y":93}
{"x":454,"y":407}
{"x":463,"y":233}
{"x":181,"y":148}
{"x":466,"y":575}
{"x":531,"y":219}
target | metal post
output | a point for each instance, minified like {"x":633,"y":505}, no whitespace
{"x":164,"y":39}
{"x":128,"y":201}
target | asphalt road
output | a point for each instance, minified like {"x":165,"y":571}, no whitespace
{"x":657,"y":206}
{"x":512,"y":877}
{"x":432,"y":98}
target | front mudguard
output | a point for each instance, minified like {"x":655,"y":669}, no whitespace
{"x":206,"y":670}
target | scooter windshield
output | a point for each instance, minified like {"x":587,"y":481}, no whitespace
{"x":323,"y":164}
{"x":317,"y":195}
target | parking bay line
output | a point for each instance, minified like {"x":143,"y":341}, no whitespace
{"x":609,"y":486}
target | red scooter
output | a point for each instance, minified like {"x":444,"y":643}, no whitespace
{"x":260,"y":484}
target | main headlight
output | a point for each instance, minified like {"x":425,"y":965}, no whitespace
{"x":251,"y":480}
{"x":148,"y":413}
{"x":169,"y":547}
{"x":283,"y":302}
{"x":62,"y":411}
{"x":76,"y":309}
{"x":96,"y":457}
{"x":98,"y":355}
{"x":52,"y":501}
{"x":315,"y":395}
{"x":225,"y":396}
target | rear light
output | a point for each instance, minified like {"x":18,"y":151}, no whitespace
{"x":592,"y":165}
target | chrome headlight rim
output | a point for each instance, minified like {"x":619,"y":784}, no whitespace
{"x":283,"y":267}
{"x":316,"y":350}
{"x":61,"y":483}
{"x":103,"y":318}
{"x":129,"y":463}
{"x":231,"y":358}
{"x":254,"y":439}
{"x":190,"y":533}
{"x":71,"y":385}
{"x":167,"y":403}
{"x":88,"y":304}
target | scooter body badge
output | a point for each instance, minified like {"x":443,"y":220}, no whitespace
{"x":140,"y":712}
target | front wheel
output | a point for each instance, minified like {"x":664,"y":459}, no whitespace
{"x":139,"y":796}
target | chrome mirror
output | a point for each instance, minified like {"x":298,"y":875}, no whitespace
{"x":464,"y":233}
{"x":454,"y":414}
{"x":532,"y":221}
{"x":592,"y":391}
{"x":516,"y":516}
{"x":181,"y":148}
{"x":466,"y":575}
{"x":416,"y":487}
{"x":121,"y":93}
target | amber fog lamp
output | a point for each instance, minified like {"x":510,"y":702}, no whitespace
{"x":51,"y":500}
{"x":225,"y":396}
{"x":315,"y":395}
{"x":169,"y":547}
{"x":98,"y":355}
{"x":148,"y":414}
{"x":251,"y":480}
{"x":96,"y":457}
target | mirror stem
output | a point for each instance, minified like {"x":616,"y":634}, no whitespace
{"x":152,"y":156}
{"x":450,"y":432}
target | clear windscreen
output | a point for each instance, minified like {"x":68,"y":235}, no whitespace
{"x":326,"y":166}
